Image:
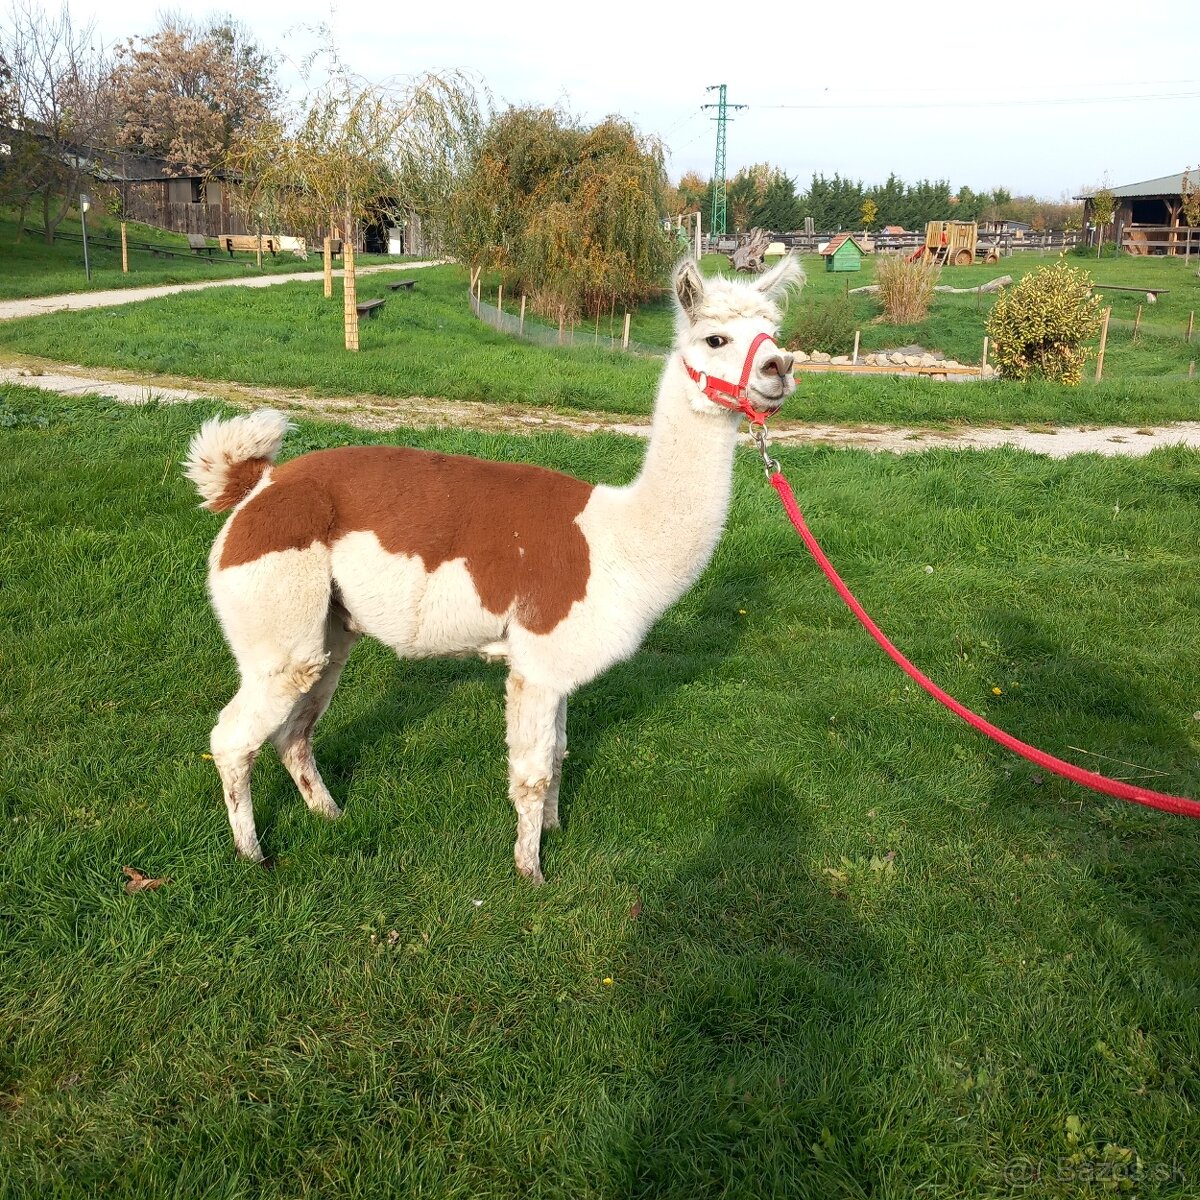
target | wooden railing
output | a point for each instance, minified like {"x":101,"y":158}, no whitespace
{"x":1160,"y":239}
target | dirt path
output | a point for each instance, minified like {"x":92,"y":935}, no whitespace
{"x":420,"y":412}
{"x":37,"y":305}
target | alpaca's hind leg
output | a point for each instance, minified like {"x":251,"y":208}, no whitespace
{"x":294,"y":739}
{"x":550,"y":805}
{"x":274,"y":612}
{"x":263,"y":703}
{"x":531,"y":718}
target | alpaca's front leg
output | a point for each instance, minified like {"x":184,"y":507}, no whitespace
{"x":550,"y":807}
{"x":532,"y":720}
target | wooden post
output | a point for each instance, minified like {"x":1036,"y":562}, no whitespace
{"x":521,"y":326}
{"x":1191,"y":324}
{"x":258,"y":250}
{"x":349,"y":291}
{"x":328,"y":256}
{"x":625,"y":335}
{"x":500,"y":297}
{"x":1103,"y":343}
{"x":983,"y":363}
{"x":561,"y":317}
{"x":1137,"y":321}
{"x":124,"y":251}
{"x":854,"y":358}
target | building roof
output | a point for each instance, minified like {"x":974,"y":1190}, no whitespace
{"x":839,"y":241}
{"x":1164,"y":185}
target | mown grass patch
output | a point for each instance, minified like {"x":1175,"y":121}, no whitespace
{"x":853,"y":950}
{"x":30,"y":268}
{"x":427,"y":343}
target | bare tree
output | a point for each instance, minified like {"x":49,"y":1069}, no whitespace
{"x":63,"y":108}
{"x":1189,"y":208}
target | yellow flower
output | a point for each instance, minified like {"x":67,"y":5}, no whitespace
{"x":997,"y":691}
{"x":607,"y":981}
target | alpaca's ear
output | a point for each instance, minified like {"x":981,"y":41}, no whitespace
{"x":786,"y":274}
{"x":689,"y":286}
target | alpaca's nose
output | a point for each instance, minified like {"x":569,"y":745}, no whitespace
{"x":779,"y":362}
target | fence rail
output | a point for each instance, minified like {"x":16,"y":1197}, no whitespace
{"x":810,"y":243}
{"x":530,"y":330}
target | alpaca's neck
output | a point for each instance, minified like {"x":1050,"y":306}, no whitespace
{"x":678,"y":503}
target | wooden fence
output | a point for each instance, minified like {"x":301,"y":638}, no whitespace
{"x":1006,"y":243}
{"x":1160,"y":239}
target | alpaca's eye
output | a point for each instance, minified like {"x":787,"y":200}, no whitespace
{"x":716,"y":341}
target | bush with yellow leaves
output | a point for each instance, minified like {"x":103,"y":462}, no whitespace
{"x":1039,"y":327}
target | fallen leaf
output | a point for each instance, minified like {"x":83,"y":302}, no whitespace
{"x":137,"y":882}
{"x":635,"y":910}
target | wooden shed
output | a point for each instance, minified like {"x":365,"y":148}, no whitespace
{"x":844,"y":253}
{"x":1148,"y":217}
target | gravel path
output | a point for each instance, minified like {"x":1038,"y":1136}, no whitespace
{"x":37,"y":305}
{"x":420,"y":412}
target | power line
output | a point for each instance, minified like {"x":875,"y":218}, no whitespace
{"x":1008,"y":102}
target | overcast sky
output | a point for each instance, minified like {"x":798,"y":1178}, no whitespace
{"x":1042,"y":98}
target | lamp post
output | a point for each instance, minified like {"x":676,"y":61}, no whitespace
{"x":85,"y":202}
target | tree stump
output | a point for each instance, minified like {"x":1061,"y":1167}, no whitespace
{"x":750,"y":252}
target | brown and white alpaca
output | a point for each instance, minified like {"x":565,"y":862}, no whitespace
{"x":442,"y":555}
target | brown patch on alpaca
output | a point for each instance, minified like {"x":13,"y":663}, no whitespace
{"x":512,"y":524}
{"x":240,"y":480}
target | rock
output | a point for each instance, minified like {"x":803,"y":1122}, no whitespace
{"x":952,"y":364}
{"x":799,"y":356}
{"x":819,"y":356}
{"x":927,"y":360}
{"x":911,"y":360}
{"x":840,"y":360}
{"x":897,"y":358}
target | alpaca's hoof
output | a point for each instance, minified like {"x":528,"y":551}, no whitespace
{"x":533,"y":874}
{"x":329,"y":811}
{"x":551,"y":821}
{"x":252,"y":854}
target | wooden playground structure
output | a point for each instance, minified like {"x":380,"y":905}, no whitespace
{"x":954,"y":243}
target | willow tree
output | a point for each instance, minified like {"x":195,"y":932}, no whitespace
{"x":571,"y":216}
{"x":353,"y":151}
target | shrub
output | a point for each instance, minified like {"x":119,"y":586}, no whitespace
{"x":905,"y":288}
{"x":827,"y":325}
{"x":1038,"y":327}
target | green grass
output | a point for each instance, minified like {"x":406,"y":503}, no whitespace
{"x":427,"y":343}
{"x":31,"y":268}
{"x":874,"y":955}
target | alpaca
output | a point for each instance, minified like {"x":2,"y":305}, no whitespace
{"x":436,"y":554}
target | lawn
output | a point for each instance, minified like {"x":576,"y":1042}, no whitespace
{"x":31,"y":268}
{"x":427,"y":343}
{"x":804,"y":935}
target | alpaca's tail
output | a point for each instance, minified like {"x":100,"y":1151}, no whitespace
{"x":227,"y":458}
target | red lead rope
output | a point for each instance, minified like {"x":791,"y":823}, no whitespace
{"x":1099,"y":783}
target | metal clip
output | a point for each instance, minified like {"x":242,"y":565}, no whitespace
{"x":770,"y":465}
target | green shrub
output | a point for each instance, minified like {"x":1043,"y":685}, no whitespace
{"x":826,"y":325}
{"x":1038,"y":327}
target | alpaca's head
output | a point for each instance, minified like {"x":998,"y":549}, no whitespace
{"x":717,"y":320}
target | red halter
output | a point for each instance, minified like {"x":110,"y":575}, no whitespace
{"x":730,"y":395}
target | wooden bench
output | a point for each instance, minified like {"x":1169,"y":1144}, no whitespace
{"x":199,"y":243}
{"x":407,"y":284}
{"x":370,"y":308}
{"x":248,"y":242}
{"x":1152,"y":294}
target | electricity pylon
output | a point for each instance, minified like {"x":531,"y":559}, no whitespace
{"x":717,"y":224}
